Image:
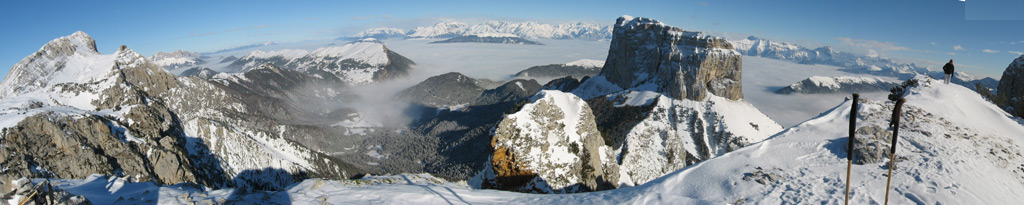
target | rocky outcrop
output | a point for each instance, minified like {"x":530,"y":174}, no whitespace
{"x":871,"y":144}
{"x":681,"y":64}
{"x":1011,"y":85}
{"x":551,"y":145}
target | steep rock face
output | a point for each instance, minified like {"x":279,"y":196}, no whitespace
{"x":550,"y":146}
{"x":681,"y":64}
{"x":1011,"y":85}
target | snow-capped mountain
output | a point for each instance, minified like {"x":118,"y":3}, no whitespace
{"x":176,"y":61}
{"x":528,"y":29}
{"x":446,"y":29}
{"x":852,"y":63}
{"x":754,"y":46}
{"x":653,"y":117}
{"x":838,"y":84}
{"x":360,"y":62}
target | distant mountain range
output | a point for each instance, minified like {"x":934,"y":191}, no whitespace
{"x":849,"y":62}
{"x":527,"y":29}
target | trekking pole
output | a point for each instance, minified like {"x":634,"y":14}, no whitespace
{"x":849,"y":144}
{"x":895,"y":134}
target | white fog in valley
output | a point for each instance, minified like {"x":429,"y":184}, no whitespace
{"x":763,"y":76}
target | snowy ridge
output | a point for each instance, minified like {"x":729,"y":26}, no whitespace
{"x":838,"y":84}
{"x":590,"y":63}
{"x":366,"y":51}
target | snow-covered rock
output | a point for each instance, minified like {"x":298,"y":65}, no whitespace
{"x":826,"y":55}
{"x":551,"y":145}
{"x":838,"y":84}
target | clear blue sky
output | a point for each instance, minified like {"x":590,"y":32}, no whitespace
{"x":924,"y":31}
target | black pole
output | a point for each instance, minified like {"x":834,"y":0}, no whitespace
{"x":849,"y":144}
{"x":895,"y":134}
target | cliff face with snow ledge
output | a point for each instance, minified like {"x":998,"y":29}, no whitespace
{"x":656,"y":106}
{"x":682,"y":64}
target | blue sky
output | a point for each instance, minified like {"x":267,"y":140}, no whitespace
{"x":927,"y":32}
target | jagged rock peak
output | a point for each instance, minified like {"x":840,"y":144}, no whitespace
{"x":649,"y":55}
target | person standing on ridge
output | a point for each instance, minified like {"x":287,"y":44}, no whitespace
{"x":948,"y":69}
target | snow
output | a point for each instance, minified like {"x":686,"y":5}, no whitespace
{"x":964,"y":106}
{"x":367,"y":52}
{"x":590,"y":63}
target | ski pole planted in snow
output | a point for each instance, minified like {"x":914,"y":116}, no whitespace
{"x":849,"y":144}
{"x":895,"y":134}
